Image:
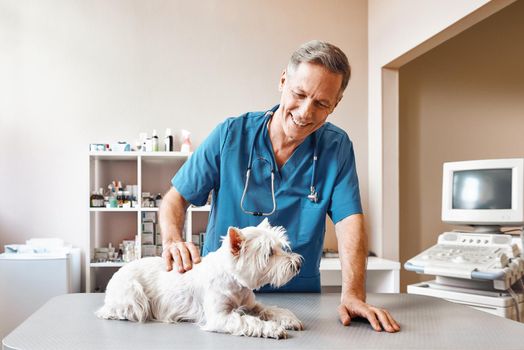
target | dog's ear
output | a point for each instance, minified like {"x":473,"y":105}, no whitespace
{"x":264,"y":224}
{"x":235,"y":240}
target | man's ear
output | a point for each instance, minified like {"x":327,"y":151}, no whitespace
{"x":235,"y":240}
{"x":282,"y":81}
{"x":336,"y":104}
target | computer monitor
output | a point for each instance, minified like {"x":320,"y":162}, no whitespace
{"x":485,"y":194}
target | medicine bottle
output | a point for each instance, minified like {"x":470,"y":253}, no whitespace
{"x":155,"y":141}
{"x":158,"y":200}
{"x":168,"y":141}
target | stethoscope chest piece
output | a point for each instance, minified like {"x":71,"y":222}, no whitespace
{"x":313,"y":195}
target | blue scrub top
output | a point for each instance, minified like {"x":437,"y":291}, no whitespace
{"x":220,"y":164}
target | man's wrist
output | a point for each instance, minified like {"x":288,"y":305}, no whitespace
{"x":352,"y":294}
{"x":170,"y":241}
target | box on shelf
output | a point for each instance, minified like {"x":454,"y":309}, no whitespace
{"x":149,"y":216}
{"x":147,"y":238}
{"x":148,"y":250}
{"x":200,"y":240}
{"x":148,"y":227}
{"x":195,"y":238}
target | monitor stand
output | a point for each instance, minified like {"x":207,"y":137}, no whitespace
{"x":491,"y":229}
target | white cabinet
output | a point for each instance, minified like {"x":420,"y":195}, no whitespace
{"x":150,"y":172}
{"x":382,"y":275}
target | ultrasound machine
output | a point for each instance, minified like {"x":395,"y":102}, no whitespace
{"x":483,"y":266}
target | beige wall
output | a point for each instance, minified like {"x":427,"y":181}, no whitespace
{"x":401,"y":29}
{"x":75,"y":72}
{"x":462,"y":100}
{"x":80,"y":71}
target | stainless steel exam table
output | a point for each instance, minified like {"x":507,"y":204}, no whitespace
{"x":68,"y":322}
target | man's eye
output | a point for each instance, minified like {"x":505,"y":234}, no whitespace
{"x":299,"y":95}
{"x":322,"y":105}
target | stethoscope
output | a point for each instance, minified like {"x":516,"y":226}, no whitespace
{"x":313,"y":194}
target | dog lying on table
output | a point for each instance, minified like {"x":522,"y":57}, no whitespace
{"x":217,"y":293}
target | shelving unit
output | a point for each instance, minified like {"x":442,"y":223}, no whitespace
{"x":151,"y":172}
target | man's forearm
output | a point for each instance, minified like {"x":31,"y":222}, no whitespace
{"x":172,"y":215}
{"x":352,"y":249}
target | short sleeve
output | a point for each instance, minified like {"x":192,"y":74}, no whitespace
{"x":345,"y":200}
{"x":201,"y":172}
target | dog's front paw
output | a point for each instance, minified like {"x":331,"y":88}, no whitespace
{"x":292,"y":323}
{"x":287,"y":319}
{"x":274,"y":330}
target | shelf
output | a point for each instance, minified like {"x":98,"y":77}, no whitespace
{"x":202,"y":208}
{"x":374,"y":263}
{"x":126,"y":209}
{"x":107,"y":264}
{"x":101,"y":155}
{"x":164,"y":154}
{"x":149,"y":209}
{"x":114,"y":209}
{"x":113,"y":155}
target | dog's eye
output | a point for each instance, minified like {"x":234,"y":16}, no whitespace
{"x":270,"y":251}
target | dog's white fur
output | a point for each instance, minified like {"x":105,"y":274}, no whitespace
{"x":217,"y":293}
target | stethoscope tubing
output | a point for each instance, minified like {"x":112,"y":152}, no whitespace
{"x":313,"y":196}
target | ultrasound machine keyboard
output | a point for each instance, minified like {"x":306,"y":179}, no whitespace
{"x":470,"y":256}
{"x":482,"y":257}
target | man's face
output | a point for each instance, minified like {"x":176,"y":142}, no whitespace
{"x":309,"y":94}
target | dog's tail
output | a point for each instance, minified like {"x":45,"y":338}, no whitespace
{"x":133,"y":305}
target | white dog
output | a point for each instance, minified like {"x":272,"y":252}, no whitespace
{"x":217,"y":294}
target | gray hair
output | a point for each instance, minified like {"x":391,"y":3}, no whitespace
{"x":325,"y":54}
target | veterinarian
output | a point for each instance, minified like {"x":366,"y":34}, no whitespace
{"x":287,"y":164}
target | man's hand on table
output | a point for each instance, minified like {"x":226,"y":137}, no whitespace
{"x":379,"y":319}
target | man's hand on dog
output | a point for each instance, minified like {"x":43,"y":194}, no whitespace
{"x":182,"y":254}
{"x":352,"y":307}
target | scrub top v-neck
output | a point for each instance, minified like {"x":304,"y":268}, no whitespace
{"x":220,"y":164}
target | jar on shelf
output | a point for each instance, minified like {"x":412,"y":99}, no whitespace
{"x":96,"y":200}
{"x":158,"y":200}
{"x":129,"y":251}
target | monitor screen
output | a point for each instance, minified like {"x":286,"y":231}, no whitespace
{"x":483,"y":193}
{"x":482,"y":189}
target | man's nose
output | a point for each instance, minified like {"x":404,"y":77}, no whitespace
{"x":305,"y":110}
